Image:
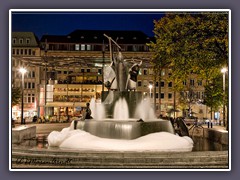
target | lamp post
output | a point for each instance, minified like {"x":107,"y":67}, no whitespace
{"x":22,"y":71}
{"x":224,"y":70}
{"x":150,"y":88}
{"x":103,"y":64}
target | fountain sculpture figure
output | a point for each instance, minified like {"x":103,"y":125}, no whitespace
{"x":127,"y":115}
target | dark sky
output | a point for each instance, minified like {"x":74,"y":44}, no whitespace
{"x":62,"y":23}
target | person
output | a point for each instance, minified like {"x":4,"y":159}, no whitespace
{"x":88,"y":112}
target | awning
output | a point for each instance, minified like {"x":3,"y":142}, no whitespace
{"x":66,"y":104}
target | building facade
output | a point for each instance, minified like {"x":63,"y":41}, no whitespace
{"x":71,"y":73}
{"x":25,"y":44}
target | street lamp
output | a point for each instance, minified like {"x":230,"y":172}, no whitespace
{"x":224,"y":70}
{"x":22,"y":71}
{"x":150,"y":88}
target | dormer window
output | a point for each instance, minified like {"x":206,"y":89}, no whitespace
{"x":95,"y":37}
{"x":134,"y":38}
{"x":21,"y":41}
{"x":14,"y":40}
{"x":28,"y":40}
{"x":82,"y":37}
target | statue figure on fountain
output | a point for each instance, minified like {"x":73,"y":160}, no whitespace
{"x":118,"y":75}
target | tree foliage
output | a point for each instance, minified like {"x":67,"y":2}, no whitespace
{"x":191,"y":44}
{"x":16,"y":95}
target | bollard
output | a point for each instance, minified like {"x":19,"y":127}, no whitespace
{"x":211,"y":124}
{"x":208,"y":124}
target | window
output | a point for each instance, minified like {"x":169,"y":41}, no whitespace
{"x":170,"y":84}
{"x":33,"y":74}
{"x":156,"y":95}
{"x":156,"y":84}
{"x":21,"y":51}
{"x":162,"y":84}
{"x":145,"y":71}
{"x":88,"y":70}
{"x":25,"y":85}
{"x":163,"y":73}
{"x":28,"y":40}
{"x":99,"y":71}
{"x":169,"y":95}
{"x":17,"y":51}
{"x":59,"y":72}
{"x":88,"y":47}
{"x":25,"y":51}
{"x":185,"y":83}
{"x":199,"y":82}
{"x":14,"y":40}
{"x":82,"y":70}
{"x":29,"y":52}
{"x":33,"y":98}
{"x":20,"y":41}
{"x":13,"y":52}
{"x":82,"y":47}
{"x":162,"y":95}
{"x":29,"y":98}
{"x":77,"y":47}
{"x":33,"y":85}
{"x":64,"y":72}
{"x":139,"y":83}
{"x":192,"y":82}
{"x":29,"y":85}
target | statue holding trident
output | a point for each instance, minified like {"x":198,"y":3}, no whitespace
{"x":116,"y":76}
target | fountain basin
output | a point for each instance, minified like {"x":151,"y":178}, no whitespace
{"x":123,"y":129}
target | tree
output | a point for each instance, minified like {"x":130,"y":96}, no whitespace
{"x":193,"y":44}
{"x":16,"y":95}
{"x":214,"y":95}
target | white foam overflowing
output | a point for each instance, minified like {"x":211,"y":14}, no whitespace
{"x":81,"y":140}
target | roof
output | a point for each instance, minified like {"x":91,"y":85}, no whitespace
{"x":97,"y":37}
{"x":25,"y":35}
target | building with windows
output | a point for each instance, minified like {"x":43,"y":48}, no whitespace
{"x":25,"y":44}
{"x":70,"y":73}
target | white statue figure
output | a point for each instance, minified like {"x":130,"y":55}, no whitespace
{"x":132,"y":74}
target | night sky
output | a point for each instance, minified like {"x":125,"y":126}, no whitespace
{"x":63,"y":23}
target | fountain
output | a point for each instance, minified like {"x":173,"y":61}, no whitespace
{"x":123,"y":113}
